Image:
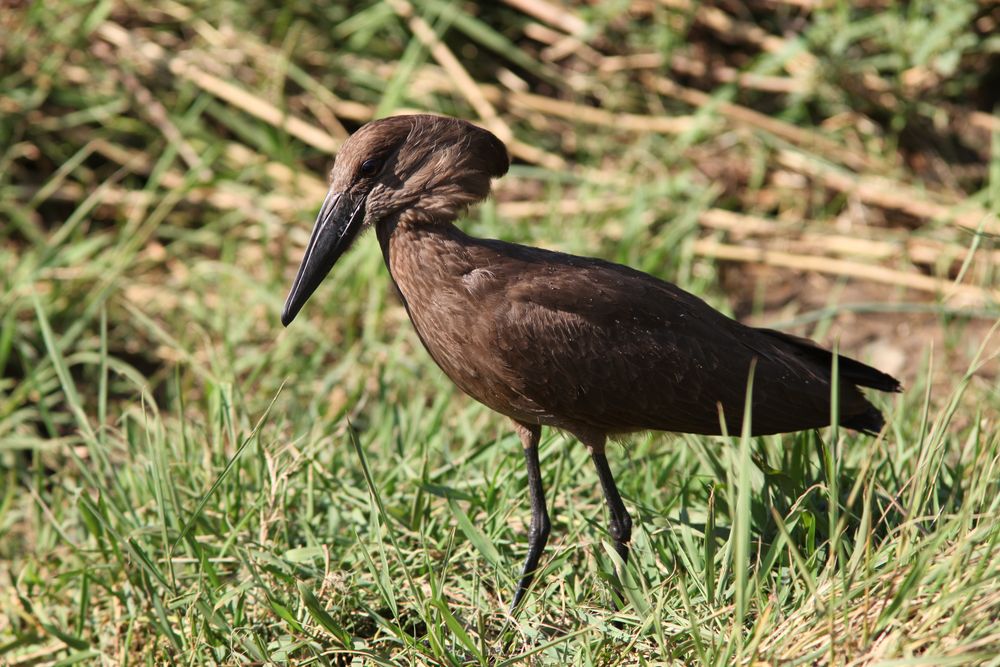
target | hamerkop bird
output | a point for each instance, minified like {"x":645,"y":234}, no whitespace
{"x":545,"y":338}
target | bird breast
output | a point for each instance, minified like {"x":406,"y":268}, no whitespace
{"x":452,"y":300}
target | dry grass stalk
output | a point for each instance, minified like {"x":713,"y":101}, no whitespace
{"x":632,"y":61}
{"x":596,"y":116}
{"x":570,"y":46}
{"x":152,"y":108}
{"x":472,"y":92}
{"x":431,"y":80}
{"x":140,"y":48}
{"x":922,"y":250}
{"x":325,"y":106}
{"x":256,"y":106}
{"x":551,"y":14}
{"x":574,"y":206}
{"x":744,"y":116}
{"x":890,"y":194}
{"x":763,"y":82}
{"x":802,"y":64}
{"x":461,"y":79}
{"x":561,"y":45}
{"x":978,"y":119}
{"x":295,"y":181}
{"x":967,"y":294}
{"x":798,"y":4}
{"x":257,"y":206}
{"x":739,"y":224}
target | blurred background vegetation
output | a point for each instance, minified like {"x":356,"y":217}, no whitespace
{"x":184,"y":481}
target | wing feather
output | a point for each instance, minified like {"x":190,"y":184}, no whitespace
{"x":607,"y":347}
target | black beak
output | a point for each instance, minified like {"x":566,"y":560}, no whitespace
{"x":337,"y":224}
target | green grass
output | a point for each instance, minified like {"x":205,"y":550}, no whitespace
{"x":185,"y":482}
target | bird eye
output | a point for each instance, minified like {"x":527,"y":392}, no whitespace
{"x":369,"y":167}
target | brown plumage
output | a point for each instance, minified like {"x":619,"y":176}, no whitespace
{"x":547,"y":338}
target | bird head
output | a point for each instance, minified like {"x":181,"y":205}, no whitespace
{"x":428,"y":168}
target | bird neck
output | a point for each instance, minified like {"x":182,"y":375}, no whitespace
{"x":422,"y":255}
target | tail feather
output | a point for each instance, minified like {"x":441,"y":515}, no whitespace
{"x":851,"y":370}
{"x":870,"y":422}
{"x":864,"y":416}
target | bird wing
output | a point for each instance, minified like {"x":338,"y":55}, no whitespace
{"x":608,"y":347}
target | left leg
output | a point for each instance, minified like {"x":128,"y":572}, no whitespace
{"x":538,"y":533}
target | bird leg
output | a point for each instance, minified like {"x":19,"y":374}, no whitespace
{"x":620,"y":523}
{"x":538,"y":533}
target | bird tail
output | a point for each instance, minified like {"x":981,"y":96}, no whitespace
{"x":870,"y":421}
{"x":850,"y":370}
{"x":853,"y":374}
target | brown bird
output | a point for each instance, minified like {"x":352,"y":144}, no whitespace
{"x":546,"y":338}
